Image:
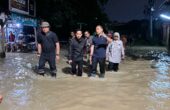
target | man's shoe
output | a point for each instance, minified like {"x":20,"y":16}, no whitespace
{"x":41,"y":72}
{"x":115,"y":70}
{"x":79,"y":75}
{"x":101,"y":76}
{"x":93,"y":77}
{"x":53,"y":74}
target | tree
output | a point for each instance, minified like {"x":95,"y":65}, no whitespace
{"x":68,"y":12}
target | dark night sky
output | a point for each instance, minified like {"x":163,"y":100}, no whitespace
{"x":126,"y":10}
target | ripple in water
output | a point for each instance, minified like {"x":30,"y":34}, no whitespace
{"x":160,"y":85}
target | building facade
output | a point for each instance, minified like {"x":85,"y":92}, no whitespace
{"x":18,"y":17}
{"x":22,"y":18}
{"x":165,"y":15}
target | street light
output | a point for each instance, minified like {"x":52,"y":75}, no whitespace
{"x":18,"y":25}
{"x":165,"y":16}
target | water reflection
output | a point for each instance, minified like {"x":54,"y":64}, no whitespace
{"x":160,"y":85}
{"x":16,"y":81}
{"x":20,"y":93}
{"x":22,"y":89}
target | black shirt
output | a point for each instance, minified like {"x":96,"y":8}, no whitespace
{"x":48,"y":41}
{"x":77,"y":49}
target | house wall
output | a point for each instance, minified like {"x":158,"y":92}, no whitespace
{"x":168,"y":39}
{"x":166,"y":35}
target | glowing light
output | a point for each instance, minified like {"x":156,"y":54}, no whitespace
{"x":165,"y":16}
{"x":18,"y":25}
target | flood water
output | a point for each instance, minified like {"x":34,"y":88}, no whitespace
{"x":139,"y":85}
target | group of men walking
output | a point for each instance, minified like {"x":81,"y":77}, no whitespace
{"x":97,"y":49}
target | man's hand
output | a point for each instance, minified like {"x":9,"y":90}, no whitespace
{"x":57,"y":52}
{"x":107,"y":59}
{"x":38,"y":54}
{"x":1,"y":98}
{"x":123,"y":57}
{"x":57,"y":58}
{"x":39,"y":50}
{"x":104,"y":35}
{"x":90,"y":59}
{"x":70,"y":61}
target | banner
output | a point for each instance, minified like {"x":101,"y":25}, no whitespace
{"x":22,"y":6}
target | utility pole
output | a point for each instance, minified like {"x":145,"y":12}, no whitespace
{"x":151,"y":9}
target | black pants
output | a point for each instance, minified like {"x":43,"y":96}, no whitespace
{"x":113,"y":66}
{"x":50,"y":58}
{"x":90,"y":69}
{"x":80,"y":67}
{"x":101,"y":62}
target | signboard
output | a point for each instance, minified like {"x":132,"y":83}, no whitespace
{"x":19,"y":6}
{"x":22,"y":6}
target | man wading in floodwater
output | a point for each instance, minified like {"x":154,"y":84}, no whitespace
{"x":98,"y":52}
{"x":76,"y":53}
{"x":48,"y":49}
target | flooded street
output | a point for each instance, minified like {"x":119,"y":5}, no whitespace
{"x":139,"y":85}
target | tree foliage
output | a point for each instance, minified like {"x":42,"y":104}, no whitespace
{"x":69,"y":12}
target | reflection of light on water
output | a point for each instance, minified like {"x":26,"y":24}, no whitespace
{"x":162,"y":95}
{"x":17,"y":82}
{"x":162,"y":67}
{"x":162,"y":77}
{"x":160,"y":86}
{"x":18,"y":58}
{"x":21,"y":95}
{"x":20,"y":92}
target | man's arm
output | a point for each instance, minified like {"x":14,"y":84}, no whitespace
{"x":57,"y":51}
{"x":57,"y":44}
{"x":39,"y":48}
{"x":104,"y":35}
{"x":57,"y":48}
{"x":70,"y":53}
{"x":91,"y":50}
{"x":91,"y":53}
{"x":1,"y":98}
{"x":123,"y":51}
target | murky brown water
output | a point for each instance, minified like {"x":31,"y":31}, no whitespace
{"x":135,"y":87}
